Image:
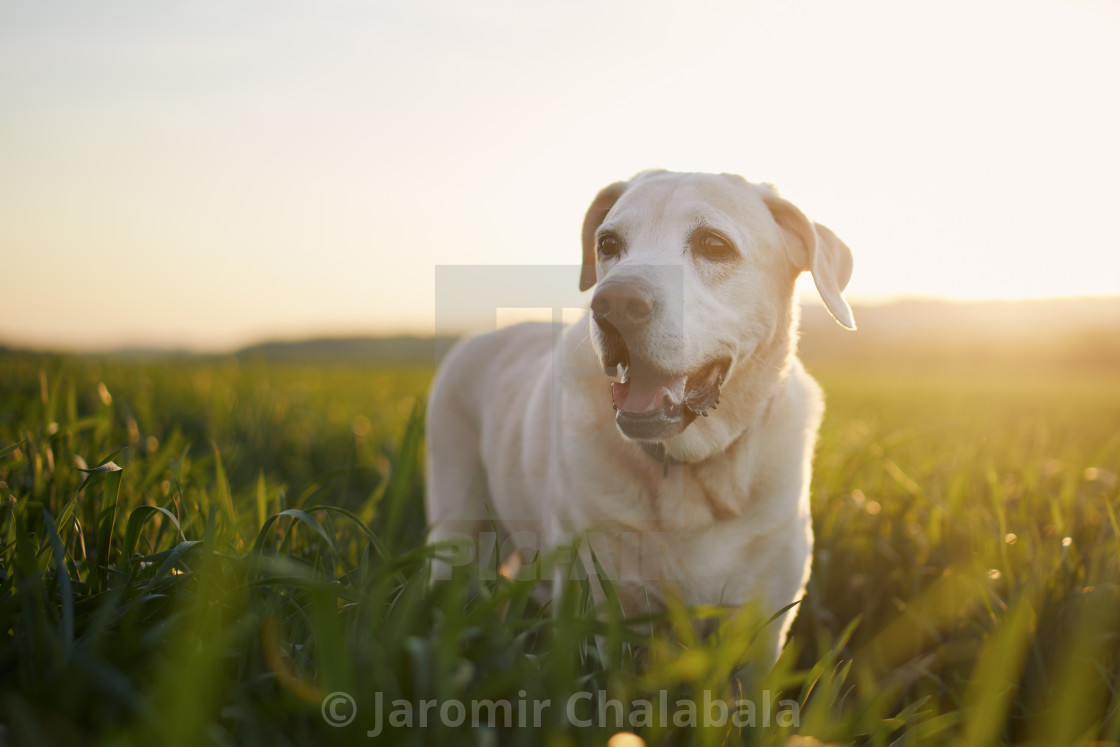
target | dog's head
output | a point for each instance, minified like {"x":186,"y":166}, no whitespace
{"x":695,"y":273}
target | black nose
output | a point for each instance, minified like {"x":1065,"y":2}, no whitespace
{"x":622,"y":304}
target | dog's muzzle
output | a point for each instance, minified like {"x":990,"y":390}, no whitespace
{"x":651,"y":404}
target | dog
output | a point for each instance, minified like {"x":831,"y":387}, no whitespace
{"x":673,"y":425}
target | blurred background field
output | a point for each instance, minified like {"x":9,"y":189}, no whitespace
{"x":262,"y":545}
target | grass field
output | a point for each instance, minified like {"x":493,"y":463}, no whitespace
{"x":261,"y":546}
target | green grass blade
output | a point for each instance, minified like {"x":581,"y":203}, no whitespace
{"x":298,"y":515}
{"x":65,"y":588}
{"x":172,"y":559}
{"x":397,"y":496}
{"x":992,"y":687}
{"x":136,"y":520}
{"x":262,"y":499}
{"x":107,"y":518}
{"x":9,"y":449}
{"x":224,"y":496}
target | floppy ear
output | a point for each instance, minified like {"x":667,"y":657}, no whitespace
{"x":596,"y":214}
{"x":824,"y":255}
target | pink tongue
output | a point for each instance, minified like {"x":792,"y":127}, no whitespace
{"x":644,"y":395}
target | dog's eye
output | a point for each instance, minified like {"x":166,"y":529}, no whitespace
{"x":609,"y":245}
{"x":713,"y":246}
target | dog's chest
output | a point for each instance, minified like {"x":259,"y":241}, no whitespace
{"x":646,"y":494}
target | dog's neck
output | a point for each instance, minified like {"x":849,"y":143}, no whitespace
{"x":657,"y":451}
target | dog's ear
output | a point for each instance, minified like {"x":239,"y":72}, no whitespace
{"x":820,"y":252}
{"x":596,"y":214}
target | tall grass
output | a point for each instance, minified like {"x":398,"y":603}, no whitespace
{"x":200,"y":552}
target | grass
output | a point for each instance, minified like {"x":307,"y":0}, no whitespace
{"x":200,"y":551}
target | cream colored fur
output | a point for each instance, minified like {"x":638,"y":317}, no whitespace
{"x":521,"y":425}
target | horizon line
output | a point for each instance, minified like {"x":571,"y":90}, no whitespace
{"x":423,"y":331}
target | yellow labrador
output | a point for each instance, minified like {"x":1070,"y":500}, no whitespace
{"x":671,"y":430}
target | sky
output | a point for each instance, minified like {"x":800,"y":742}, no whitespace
{"x":210,"y":174}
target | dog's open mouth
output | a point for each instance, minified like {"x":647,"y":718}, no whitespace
{"x":653,"y":405}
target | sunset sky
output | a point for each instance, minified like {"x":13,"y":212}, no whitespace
{"x":209,"y":174}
